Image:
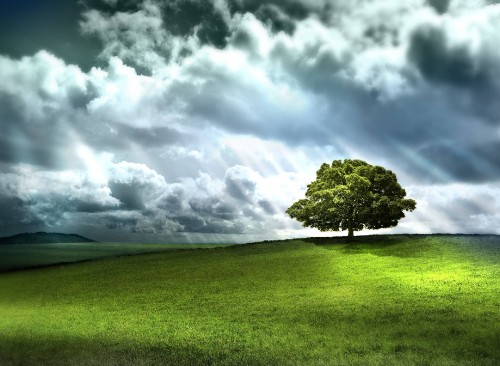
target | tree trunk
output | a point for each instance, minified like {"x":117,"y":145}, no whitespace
{"x":350,"y":230}
{"x":350,"y":235}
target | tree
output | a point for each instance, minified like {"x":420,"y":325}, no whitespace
{"x":352,"y":195}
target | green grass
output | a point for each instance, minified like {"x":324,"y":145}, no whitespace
{"x":394,"y":300}
{"x":18,"y":256}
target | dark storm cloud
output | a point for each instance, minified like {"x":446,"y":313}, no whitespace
{"x":205,"y":205}
{"x":27,"y":140}
{"x":432,"y":53}
{"x":180,"y":18}
{"x":297,"y":9}
{"x":156,"y":136}
{"x":13,"y":211}
{"x":217,"y":207}
{"x":239,"y":185}
{"x":208,"y":20}
{"x":121,"y":223}
{"x":199,"y":224}
{"x":147,"y":34}
{"x":268,"y":207}
{"x":205,"y":213}
{"x":274,"y":16}
{"x":477,"y":163}
{"x":462,"y":54}
{"x":281,"y":16}
{"x":128,"y":195}
{"x":480,"y":204}
{"x":427,"y":135}
{"x":34,"y":199}
{"x":441,"y":6}
{"x":129,"y":136}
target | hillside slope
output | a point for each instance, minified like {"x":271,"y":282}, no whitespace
{"x":395,"y":300}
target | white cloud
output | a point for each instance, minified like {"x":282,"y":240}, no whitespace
{"x":138,"y":37}
{"x":41,"y":83}
{"x":251,"y":35}
{"x":455,"y":208}
{"x":384,"y":71}
{"x":313,"y":46}
{"x":123,"y":96}
{"x":178,"y":152}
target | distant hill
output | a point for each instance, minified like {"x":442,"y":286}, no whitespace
{"x":43,"y":237}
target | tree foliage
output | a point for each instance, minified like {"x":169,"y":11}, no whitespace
{"x":352,"y":195}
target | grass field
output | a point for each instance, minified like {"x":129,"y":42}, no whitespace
{"x":388,"y":300}
{"x":19,"y":256}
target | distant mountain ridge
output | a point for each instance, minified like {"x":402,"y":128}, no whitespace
{"x":44,"y":237}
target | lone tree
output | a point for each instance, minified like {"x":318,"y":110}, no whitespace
{"x":352,"y":195}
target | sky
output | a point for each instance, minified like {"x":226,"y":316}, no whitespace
{"x":204,"y":120}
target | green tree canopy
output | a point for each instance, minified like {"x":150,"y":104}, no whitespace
{"x":352,"y":195}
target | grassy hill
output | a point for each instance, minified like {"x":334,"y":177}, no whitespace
{"x":388,"y":300}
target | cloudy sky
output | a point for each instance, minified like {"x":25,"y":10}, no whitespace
{"x":203,"y":120}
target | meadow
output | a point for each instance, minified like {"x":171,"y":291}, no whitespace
{"x":381,"y":300}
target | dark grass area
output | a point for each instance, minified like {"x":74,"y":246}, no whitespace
{"x":16,"y":257}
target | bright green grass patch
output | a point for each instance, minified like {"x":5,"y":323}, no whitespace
{"x":18,"y":256}
{"x":380,"y":301}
